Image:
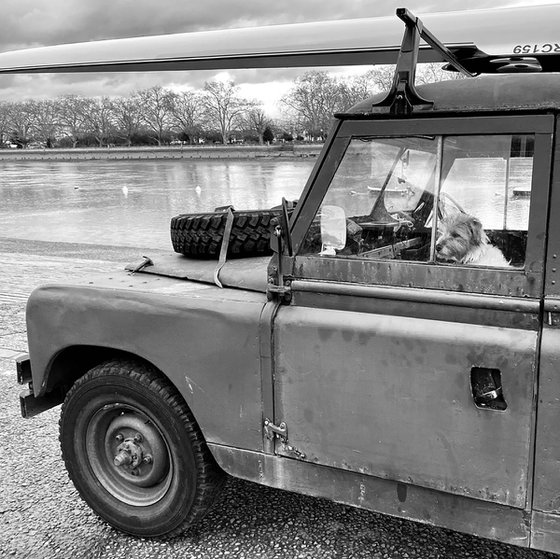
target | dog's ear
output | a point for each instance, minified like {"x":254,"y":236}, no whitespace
{"x":476,"y":229}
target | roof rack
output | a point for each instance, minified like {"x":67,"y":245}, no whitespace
{"x":403,"y":98}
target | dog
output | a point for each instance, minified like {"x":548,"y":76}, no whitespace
{"x":462,"y":239}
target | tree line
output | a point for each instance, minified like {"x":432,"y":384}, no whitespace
{"x":215,"y":114}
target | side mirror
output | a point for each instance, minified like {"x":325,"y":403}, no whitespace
{"x":333,"y":230}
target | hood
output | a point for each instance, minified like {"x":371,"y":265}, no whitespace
{"x":240,"y":273}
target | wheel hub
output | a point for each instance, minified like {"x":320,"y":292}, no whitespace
{"x":135,"y":450}
{"x":130,"y":455}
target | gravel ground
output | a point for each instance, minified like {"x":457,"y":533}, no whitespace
{"x":42,"y":517}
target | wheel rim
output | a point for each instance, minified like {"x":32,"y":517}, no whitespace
{"x":128,"y":454}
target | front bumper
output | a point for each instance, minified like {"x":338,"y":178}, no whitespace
{"x":29,"y":404}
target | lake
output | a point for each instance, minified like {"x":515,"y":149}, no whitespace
{"x":131,"y":202}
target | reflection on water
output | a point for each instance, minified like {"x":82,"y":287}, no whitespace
{"x":131,"y":202}
{"x":488,"y":189}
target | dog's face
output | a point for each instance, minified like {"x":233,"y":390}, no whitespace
{"x":458,"y":235}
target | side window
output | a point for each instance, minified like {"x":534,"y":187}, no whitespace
{"x":484,"y":200}
{"x":381,"y":201}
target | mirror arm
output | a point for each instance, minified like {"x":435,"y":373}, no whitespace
{"x":285,"y":226}
{"x":281,"y":241}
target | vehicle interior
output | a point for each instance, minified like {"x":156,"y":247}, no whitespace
{"x":388,"y":188}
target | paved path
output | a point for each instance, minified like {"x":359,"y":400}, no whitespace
{"x":42,"y":517}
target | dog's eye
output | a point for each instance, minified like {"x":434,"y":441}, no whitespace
{"x":454,"y":235}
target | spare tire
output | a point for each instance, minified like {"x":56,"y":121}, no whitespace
{"x":200,"y":235}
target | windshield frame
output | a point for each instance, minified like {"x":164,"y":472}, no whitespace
{"x":525,"y":282}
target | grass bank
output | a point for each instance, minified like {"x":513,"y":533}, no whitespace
{"x":175,"y":152}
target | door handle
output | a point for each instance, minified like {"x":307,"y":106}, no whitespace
{"x":486,"y":388}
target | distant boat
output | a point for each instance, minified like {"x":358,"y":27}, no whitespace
{"x":522,"y":191}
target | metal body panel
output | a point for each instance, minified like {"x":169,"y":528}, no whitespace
{"x":358,"y":41}
{"x":472,"y":516}
{"x":391,"y":397}
{"x":552,"y":279}
{"x":469,"y":308}
{"x":546,"y":496}
{"x":485,"y":94}
{"x":206,"y":342}
{"x":545,"y":531}
{"x":267,"y":365}
{"x":243,"y":273}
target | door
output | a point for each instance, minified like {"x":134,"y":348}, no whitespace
{"x":409,"y":349}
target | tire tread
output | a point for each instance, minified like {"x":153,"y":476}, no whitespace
{"x":201,"y":235}
{"x":210,"y":476}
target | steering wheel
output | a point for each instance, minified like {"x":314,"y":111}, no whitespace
{"x":454,"y":204}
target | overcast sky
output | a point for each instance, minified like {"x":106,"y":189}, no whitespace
{"x":31,"y":23}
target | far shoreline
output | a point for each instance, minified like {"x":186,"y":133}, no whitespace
{"x":283,"y":151}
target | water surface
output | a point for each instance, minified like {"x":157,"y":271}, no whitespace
{"x":130,"y":203}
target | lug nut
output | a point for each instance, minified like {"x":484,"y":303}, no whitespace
{"x":138,"y":438}
{"x":148,"y":459}
{"x":119,"y":437}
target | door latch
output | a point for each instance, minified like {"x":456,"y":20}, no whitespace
{"x":280,"y":432}
{"x":271,"y":431}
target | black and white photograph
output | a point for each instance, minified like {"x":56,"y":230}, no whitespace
{"x":279,"y":280}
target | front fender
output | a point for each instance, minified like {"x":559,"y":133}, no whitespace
{"x":205,"y":341}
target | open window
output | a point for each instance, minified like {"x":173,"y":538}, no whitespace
{"x":442,"y":199}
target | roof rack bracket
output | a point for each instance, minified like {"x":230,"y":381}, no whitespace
{"x":403,"y":98}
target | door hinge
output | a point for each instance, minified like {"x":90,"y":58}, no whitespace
{"x":283,"y":291}
{"x":280,"y":432}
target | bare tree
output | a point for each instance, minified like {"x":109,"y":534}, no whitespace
{"x":4,"y":121}
{"x":434,"y":72}
{"x":46,"y":126}
{"x":98,"y":117}
{"x":71,"y":115}
{"x":381,"y":77}
{"x":223,"y":107}
{"x":157,"y":108}
{"x":186,"y":112}
{"x":257,"y":121}
{"x":127,"y":117}
{"x":314,"y":98}
{"x":21,"y":120}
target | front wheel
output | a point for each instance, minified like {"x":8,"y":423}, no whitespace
{"x":134,"y":451}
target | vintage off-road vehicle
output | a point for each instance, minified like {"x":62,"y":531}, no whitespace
{"x":399,"y":351}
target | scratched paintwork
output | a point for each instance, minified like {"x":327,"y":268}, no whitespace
{"x":488,"y":520}
{"x":546,"y":499}
{"x":205,"y":340}
{"x":391,"y":397}
{"x":545,"y":531}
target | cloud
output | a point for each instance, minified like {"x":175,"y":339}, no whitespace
{"x":36,"y":22}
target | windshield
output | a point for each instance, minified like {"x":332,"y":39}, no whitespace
{"x":402,"y":168}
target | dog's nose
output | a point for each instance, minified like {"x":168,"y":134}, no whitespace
{"x":438,"y":248}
